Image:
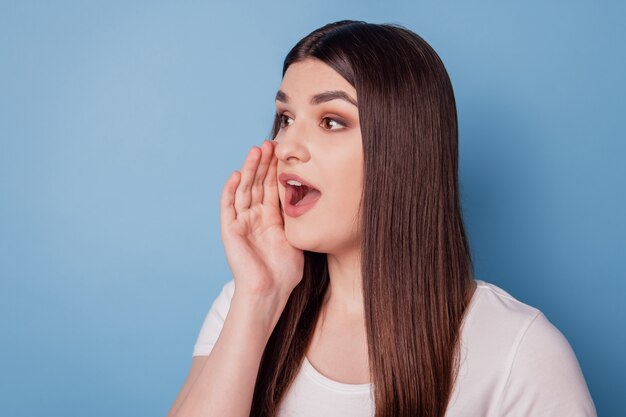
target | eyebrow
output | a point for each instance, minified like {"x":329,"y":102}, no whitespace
{"x":321,"y":97}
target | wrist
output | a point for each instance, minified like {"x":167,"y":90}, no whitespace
{"x":259,"y":313}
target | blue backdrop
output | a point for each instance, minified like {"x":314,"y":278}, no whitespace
{"x":120,"y":122}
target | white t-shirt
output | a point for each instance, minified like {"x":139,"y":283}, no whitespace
{"x":514,"y":363}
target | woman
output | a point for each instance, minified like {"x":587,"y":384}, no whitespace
{"x":353,"y":292}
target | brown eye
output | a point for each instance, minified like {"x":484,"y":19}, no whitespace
{"x":332,"y":122}
{"x":281,"y":118}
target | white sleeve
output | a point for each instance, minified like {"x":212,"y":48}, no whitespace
{"x":545,"y":378}
{"x":214,"y":320}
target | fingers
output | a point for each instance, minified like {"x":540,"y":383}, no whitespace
{"x":267,"y":149}
{"x":227,"y":209}
{"x":270,"y":183}
{"x":254,"y":184}
{"x":242,"y":194}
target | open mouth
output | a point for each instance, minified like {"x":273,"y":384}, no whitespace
{"x":300,"y":195}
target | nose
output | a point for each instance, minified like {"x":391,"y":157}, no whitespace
{"x":290,"y":145}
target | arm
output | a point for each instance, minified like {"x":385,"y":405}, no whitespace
{"x":197,"y":363}
{"x":222,"y":383}
{"x":266,"y":269}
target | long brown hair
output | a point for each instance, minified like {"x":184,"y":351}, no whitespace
{"x":415,"y":258}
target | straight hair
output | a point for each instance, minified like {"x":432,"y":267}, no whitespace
{"x":415,"y":259}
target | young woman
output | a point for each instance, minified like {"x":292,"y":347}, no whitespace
{"x":352,"y":290}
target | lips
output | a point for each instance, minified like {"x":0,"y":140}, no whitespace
{"x":298,"y":199}
{"x":286,"y":176}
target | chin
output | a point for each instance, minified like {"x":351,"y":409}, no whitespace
{"x":312,"y":240}
{"x":301,"y":238}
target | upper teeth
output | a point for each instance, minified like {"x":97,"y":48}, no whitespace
{"x":294,"y":182}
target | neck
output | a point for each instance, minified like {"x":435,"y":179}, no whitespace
{"x":345,"y":291}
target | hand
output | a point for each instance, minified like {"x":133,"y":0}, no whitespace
{"x":260,"y":257}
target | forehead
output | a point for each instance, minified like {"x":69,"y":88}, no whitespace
{"x":312,"y":76}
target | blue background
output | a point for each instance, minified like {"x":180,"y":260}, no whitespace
{"x":120,"y":122}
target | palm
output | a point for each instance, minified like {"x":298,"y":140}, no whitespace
{"x":257,"y":250}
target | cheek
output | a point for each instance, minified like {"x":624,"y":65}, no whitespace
{"x":346,"y":189}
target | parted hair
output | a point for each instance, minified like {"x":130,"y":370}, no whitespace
{"x":415,"y":258}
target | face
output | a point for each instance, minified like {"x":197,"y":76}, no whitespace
{"x":321,"y":143}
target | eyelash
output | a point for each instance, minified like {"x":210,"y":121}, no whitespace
{"x":280,"y":117}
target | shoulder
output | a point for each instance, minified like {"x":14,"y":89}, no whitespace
{"x":545,"y":376}
{"x":519,"y":350}
{"x":495,"y":311}
{"x":495,"y":318}
{"x":494,"y":298}
{"x":214,"y":320}
{"x":221,"y":304}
